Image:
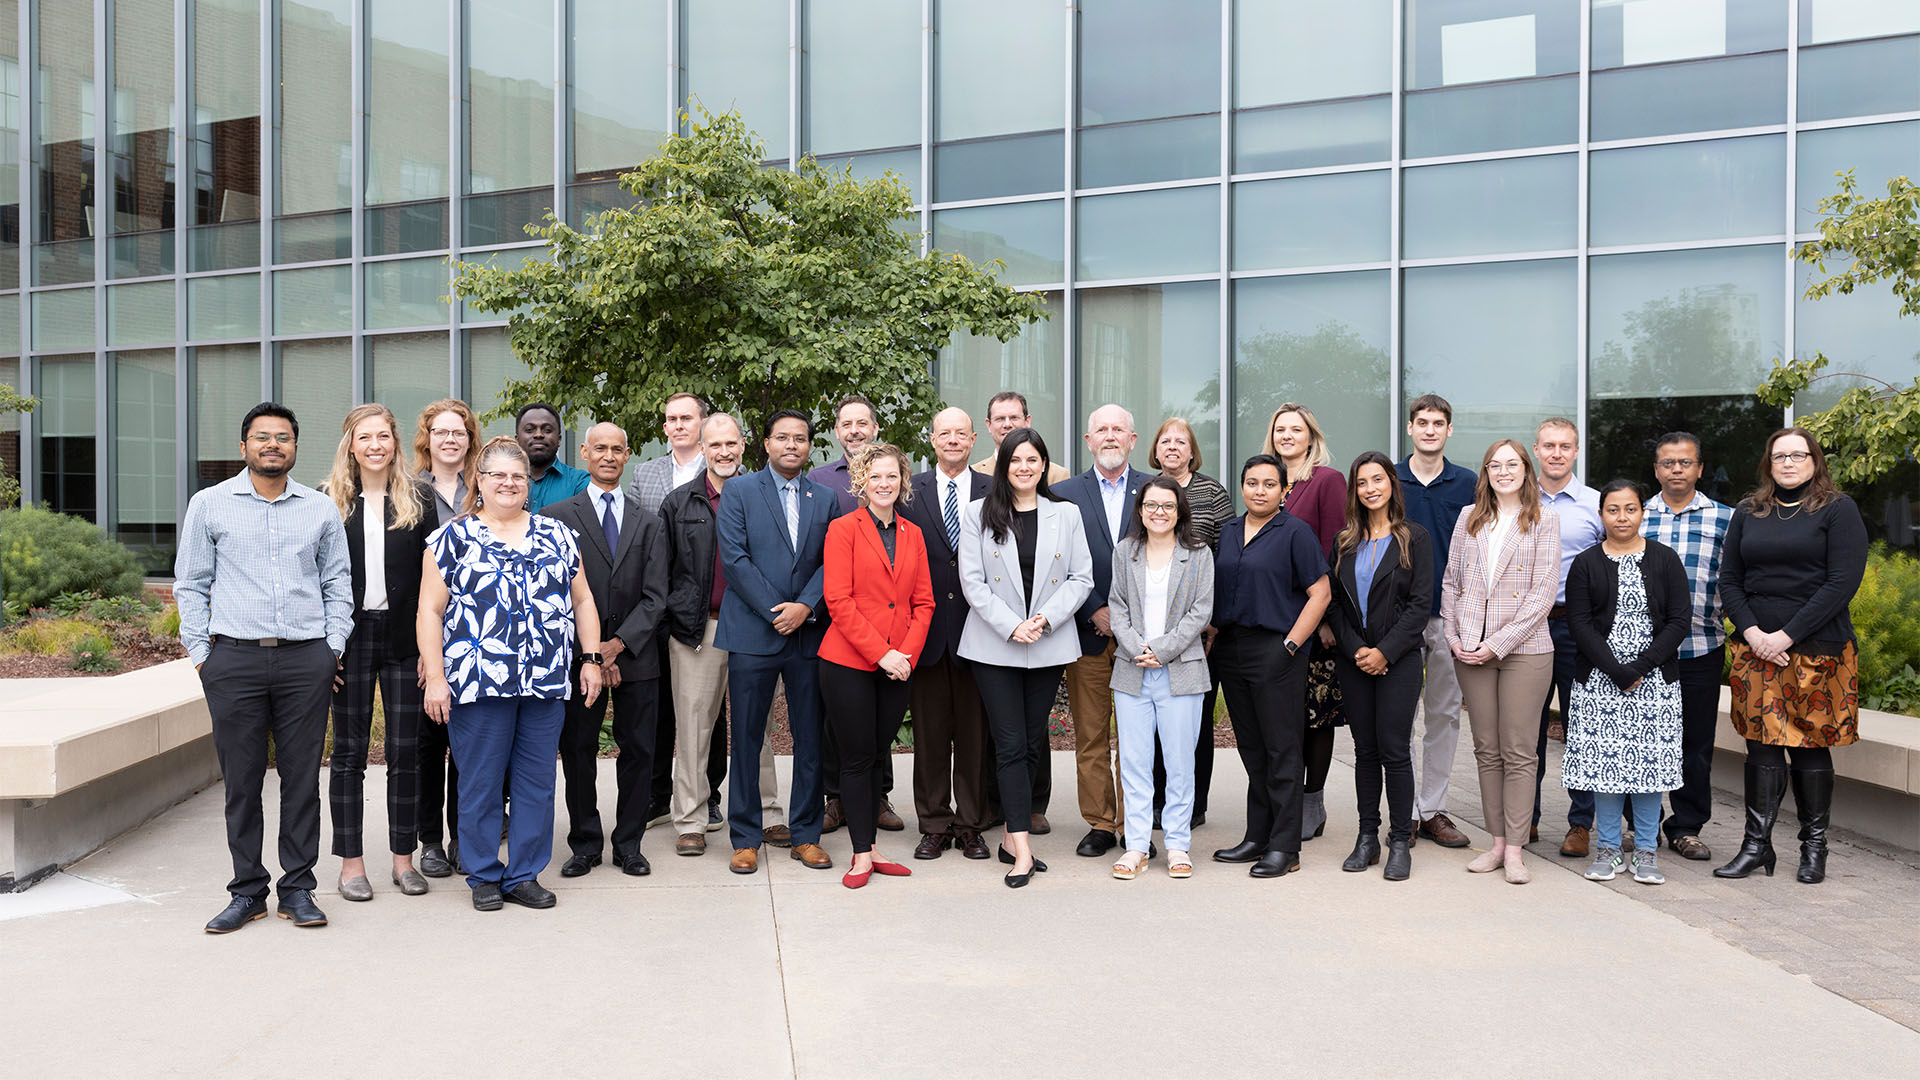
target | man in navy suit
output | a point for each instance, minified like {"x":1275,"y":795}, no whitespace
{"x":773,"y":534}
{"x":1105,"y":495}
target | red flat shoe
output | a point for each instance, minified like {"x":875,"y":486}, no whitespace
{"x":853,"y":881}
{"x":891,"y":869}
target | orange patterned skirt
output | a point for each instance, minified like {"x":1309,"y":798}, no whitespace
{"x":1814,"y":701}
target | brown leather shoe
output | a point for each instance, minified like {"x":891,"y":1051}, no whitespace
{"x":971,"y":844}
{"x":746,"y":860}
{"x":834,"y":818}
{"x":690,"y":843}
{"x":889,"y":820}
{"x":932,"y":844}
{"x":1041,"y":826}
{"x":1690,"y":847}
{"x":1577,"y":842}
{"x":778,"y":836}
{"x":813,"y":856}
{"x":1440,"y":829}
{"x":1556,"y":731}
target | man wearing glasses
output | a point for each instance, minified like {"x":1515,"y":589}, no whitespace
{"x":266,"y":604}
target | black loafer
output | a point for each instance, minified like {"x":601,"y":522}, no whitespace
{"x":1096,"y":843}
{"x":486,"y":897}
{"x":434,"y":862}
{"x":1244,"y":851}
{"x":299,"y":907}
{"x":240,"y":911}
{"x":529,"y":894}
{"x":578,"y":865}
{"x":635,"y":865}
{"x":1275,"y":864}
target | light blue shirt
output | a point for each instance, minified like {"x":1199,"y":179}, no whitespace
{"x":1113,"y":496}
{"x":252,"y":568}
{"x":599,"y":496}
{"x":1579,"y":508}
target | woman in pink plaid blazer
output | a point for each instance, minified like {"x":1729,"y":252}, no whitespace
{"x":1503,"y":571}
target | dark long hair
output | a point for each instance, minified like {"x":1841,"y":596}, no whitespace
{"x":1819,"y":489}
{"x":1182,"y":521}
{"x":1349,"y":539}
{"x":996,"y":510}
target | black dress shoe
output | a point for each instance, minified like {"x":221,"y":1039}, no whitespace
{"x":1007,"y":857}
{"x":528,"y":894}
{"x":1244,"y":851}
{"x":635,"y":865}
{"x":486,"y":897}
{"x":1399,"y":860}
{"x":299,"y":907}
{"x":1275,"y":863}
{"x":1366,"y":852}
{"x":578,"y":865}
{"x":434,"y":862}
{"x":714,"y":820}
{"x":240,"y":911}
{"x":932,"y":844}
{"x":1096,"y":843}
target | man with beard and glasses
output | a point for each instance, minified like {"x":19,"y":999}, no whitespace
{"x":536,"y":428}
{"x":266,"y":604}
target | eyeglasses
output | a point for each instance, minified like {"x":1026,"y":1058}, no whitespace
{"x":1676,"y":463}
{"x":1791,"y":457}
{"x":448,"y":433}
{"x":788,"y":440}
{"x":1506,"y":466}
{"x":509,"y":479}
{"x":1159,"y":507}
{"x":262,"y":438}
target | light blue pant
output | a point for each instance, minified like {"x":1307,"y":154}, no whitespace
{"x":1177,"y":719}
{"x":1646,"y":818}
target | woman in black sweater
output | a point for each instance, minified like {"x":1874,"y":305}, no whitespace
{"x":1794,"y":556}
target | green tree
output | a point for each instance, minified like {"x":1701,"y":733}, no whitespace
{"x":11,"y":401}
{"x":758,"y":289}
{"x":1870,"y":430}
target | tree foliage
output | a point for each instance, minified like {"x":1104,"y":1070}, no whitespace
{"x":1870,"y":429}
{"x":11,"y":401}
{"x":756,"y":288}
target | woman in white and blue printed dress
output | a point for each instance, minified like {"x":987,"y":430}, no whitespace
{"x":1628,"y":608}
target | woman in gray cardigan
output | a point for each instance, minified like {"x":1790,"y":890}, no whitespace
{"x":1161,"y":600}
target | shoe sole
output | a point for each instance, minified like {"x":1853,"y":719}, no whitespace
{"x":690,"y":851}
{"x":261,"y":914}
{"x":715,"y":826}
{"x":745,"y":869}
{"x":1649,"y":881}
{"x":310,"y":922}
{"x":524,"y":904}
{"x":1432,"y":839}
{"x":448,"y":872}
{"x":1610,"y":875}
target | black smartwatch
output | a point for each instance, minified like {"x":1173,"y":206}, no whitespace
{"x":590,"y":656}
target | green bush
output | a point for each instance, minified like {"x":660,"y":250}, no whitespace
{"x":166,"y":623}
{"x":44,"y":554}
{"x":122,"y":609}
{"x":47,"y":637}
{"x":94,"y":653}
{"x":1886,"y":618}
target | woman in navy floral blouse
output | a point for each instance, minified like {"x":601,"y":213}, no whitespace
{"x":502,"y":599}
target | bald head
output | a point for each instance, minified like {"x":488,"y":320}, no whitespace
{"x":1110,"y":438}
{"x":952,"y":437}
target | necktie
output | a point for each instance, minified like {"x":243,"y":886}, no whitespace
{"x":609,"y":524}
{"x":952,"y":514}
{"x":792,"y":501}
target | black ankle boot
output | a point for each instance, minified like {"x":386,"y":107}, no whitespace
{"x":1399,"y":861}
{"x":1366,"y":852}
{"x":1813,"y":797}
{"x":1765,"y":786}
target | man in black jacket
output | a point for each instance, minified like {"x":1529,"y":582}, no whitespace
{"x":623,"y":553}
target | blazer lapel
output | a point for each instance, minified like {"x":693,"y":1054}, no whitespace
{"x":870,"y":532}
{"x":629,"y":525}
{"x":1506,"y":554}
{"x":583,"y":508}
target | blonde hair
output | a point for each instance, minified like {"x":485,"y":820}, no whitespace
{"x":498,"y":446}
{"x":343,"y":480}
{"x":863,"y":462}
{"x":1317,"y":452}
{"x":423,"y":438}
{"x":1193,"y":442}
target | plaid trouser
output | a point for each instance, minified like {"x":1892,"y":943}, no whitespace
{"x":370,"y":659}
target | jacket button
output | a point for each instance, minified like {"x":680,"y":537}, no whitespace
{"x":949,"y":596}
{"x":996,"y":577}
{"x":889,"y":605}
{"x":1056,"y":581}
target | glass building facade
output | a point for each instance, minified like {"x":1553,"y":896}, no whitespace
{"x":1533,"y":207}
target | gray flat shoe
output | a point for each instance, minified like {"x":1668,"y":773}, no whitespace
{"x":357,"y":888}
{"x":411,"y":883}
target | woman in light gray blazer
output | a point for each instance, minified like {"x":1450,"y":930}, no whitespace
{"x":1161,"y":600}
{"x":1025,"y":569}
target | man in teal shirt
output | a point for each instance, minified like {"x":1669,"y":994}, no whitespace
{"x":537,"y":429}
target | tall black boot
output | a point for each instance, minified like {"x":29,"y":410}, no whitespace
{"x":1813,"y":796}
{"x":1766,"y":784}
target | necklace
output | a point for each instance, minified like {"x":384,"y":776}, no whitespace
{"x":1796,"y":508}
{"x":1379,"y":552}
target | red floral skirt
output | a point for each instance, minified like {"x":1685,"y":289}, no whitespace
{"x":1814,"y":701}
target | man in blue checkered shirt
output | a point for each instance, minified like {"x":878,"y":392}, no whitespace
{"x":1695,"y":527}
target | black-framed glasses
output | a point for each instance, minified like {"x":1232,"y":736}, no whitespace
{"x":1790,"y":457}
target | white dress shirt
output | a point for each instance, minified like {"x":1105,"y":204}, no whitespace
{"x":373,"y":521}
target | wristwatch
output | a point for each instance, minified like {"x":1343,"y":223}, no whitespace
{"x":593,"y":656}
{"x":1291,"y":647}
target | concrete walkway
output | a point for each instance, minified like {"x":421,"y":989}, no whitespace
{"x":696,"y":972}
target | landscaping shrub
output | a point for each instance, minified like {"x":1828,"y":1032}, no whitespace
{"x":1886,"y":618}
{"x":49,"y":637}
{"x":122,"y":609}
{"x":166,"y":623}
{"x":94,"y":652}
{"x":44,"y":554}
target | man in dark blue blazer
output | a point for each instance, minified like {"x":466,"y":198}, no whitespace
{"x":773,"y":534}
{"x":1105,"y":495}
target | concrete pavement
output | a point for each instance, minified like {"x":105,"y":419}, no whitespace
{"x":698,"y":972}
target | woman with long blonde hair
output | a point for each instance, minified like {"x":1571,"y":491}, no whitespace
{"x":387,"y":526}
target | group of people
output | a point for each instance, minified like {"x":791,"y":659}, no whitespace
{"x":501,"y":600}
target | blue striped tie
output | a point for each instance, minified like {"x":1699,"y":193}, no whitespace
{"x":952,"y":514}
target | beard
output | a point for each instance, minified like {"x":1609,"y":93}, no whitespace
{"x":544,"y":460}
{"x":726,"y":471}
{"x":1110,"y":459}
{"x":271,"y":468}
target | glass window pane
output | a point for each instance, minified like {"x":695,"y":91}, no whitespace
{"x":1148,"y":232}
{"x":1685,"y":323}
{"x":64,"y":422}
{"x":10,"y":326}
{"x":1659,"y":31}
{"x":1876,"y":153}
{"x":10,"y":423}
{"x":1155,"y":351}
{"x":1146,"y":151}
{"x":1310,"y":136}
{"x":1311,"y":221}
{"x":315,"y":380}
{"x":490,"y":363}
{"x":1863,"y":79}
{"x":224,"y":140}
{"x":618,"y":71}
{"x":140,"y":200}
{"x":226,"y":383}
{"x":990,"y":168}
{"x":409,"y":370}
{"x":1497,"y":341}
{"x":1029,"y":236}
{"x":64,"y":147}
{"x":1307,"y":50}
{"x":973,"y":369}
{"x":1689,"y":191}
{"x":313,"y":301}
{"x":1318,"y":339}
{"x":315,"y":170}
{"x":1837,"y":20}
{"x":145,"y":504}
{"x":10,"y":118}
{"x":1492,"y":207}
{"x":1143,"y":60}
{"x":1666,"y":99}
{"x":904,"y":163}
{"x":1451,"y":42}
{"x":509,"y":116}
{"x":63,"y":319}
{"x":1495,"y":116}
{"x":407,"y":292}
{"x":863,"y":75}
{"x":223,"y":307}
{"x":999,"y":74}
{"x":407,"y":132}
{"x":510,"y":259}
{"x":1862,"y":332}
{"x":140,"y":314}
{"x":735,"y":53}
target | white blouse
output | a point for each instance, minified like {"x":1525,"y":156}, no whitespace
{"x":1154,"y":619}
{"x":373,"y":522}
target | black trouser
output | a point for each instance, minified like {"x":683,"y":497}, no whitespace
{"x":866,"y":712}
{"x":832,"y":767}
{"x":1202,"y":760}
{"x":633,"y":731}
{"x":1379,"y":709}
{"x":439,"y":786}
{"x":1692,"y":803}
{"x":1267,"y":697}
{"x":253,"y":693}
{"x":1019,"y":702}
{"x":369,"y":659}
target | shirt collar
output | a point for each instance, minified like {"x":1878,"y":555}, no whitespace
{"x":883,"y":526}
{"x":1110,"y":485}
{"x":242,"y":484}
{"x":1699,"y":502}
{"x":707,"y":479}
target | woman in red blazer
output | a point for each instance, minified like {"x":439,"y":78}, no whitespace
{"x":880,"y":596}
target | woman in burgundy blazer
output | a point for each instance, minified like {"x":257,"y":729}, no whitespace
{"x":879,"y":593}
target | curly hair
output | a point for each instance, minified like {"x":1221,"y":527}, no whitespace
{"x":862,"y":464}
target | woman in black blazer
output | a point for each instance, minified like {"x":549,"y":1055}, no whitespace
{"x":1383,"y":592}
{"x":388,"y":516}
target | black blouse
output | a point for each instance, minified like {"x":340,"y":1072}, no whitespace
{"x":1026,"y":536}
{"x":1795,"y":570}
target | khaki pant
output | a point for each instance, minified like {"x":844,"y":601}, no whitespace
{"x":1503,"y":707}
{"x":699,"y":684}
{"x":1091,"y":699}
